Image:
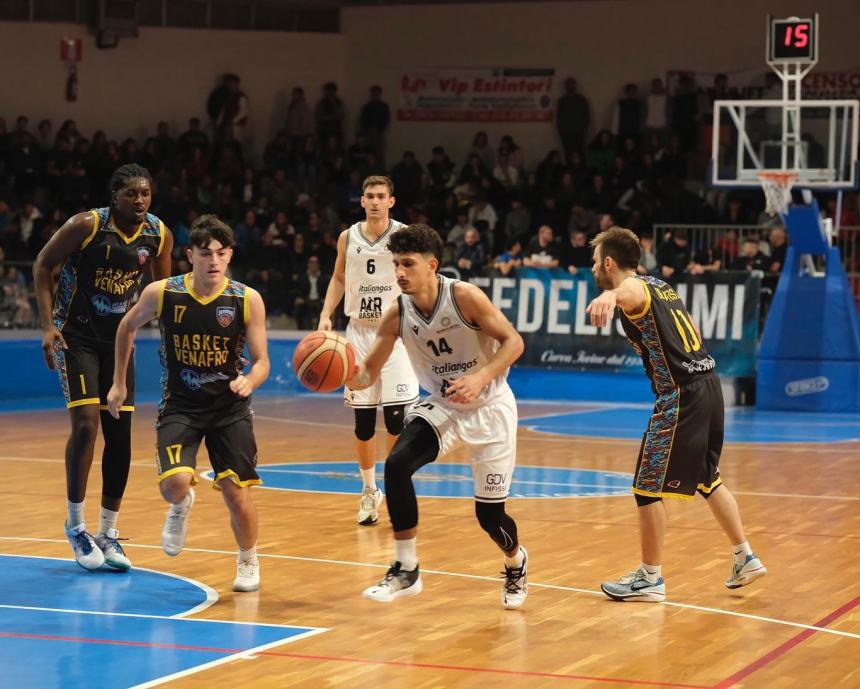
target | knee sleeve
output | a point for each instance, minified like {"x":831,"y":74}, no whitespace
{"x":394,"y":418}
{"x":642,"y":500}
{"x":498,"y":524}
{"x":416,"y":446}
{"x":116,"y":458}
{"x":365,"y":423}
{"x":707,"y":495}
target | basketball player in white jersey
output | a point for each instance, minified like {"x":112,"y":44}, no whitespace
{"x":364,"y":276}
{"x":461,"y":347}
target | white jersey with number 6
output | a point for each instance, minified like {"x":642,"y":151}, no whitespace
{"x":369,"y":279}
{"x":445,"y":346}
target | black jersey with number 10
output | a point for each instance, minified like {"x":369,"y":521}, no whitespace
{"x":664,"y":336}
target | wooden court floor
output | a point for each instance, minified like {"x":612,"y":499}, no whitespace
{"x":797,"y":627}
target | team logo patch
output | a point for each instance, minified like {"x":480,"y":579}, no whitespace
{"x":415,"y":329}
{"x":446,"y":321}
{"x":674,"y":484}
{"x":142,"y":254}
{"x":358,"y":249}
{"x":225,"y":315}
{"x":190,"y":378}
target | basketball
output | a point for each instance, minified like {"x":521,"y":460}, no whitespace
{"x":323,"y":361}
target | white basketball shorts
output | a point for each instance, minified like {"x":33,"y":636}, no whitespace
{"x":488,"y":432}
{"x":396,"y":384}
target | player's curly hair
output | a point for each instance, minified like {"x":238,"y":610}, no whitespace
{"x":209,"y":227}
{"x":621,"y":245}
{"x":416,"y":239}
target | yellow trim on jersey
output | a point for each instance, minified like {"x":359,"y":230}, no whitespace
{"x":81,"y":403}
{"x":229,"y":473}
{"x":709,"y":489}
{"x":93,"y":233}
{"x":160,"y":304}
{"x":246,"y":307}
{"x":179,"y":470}
{"x":662,"y":494}
{"x":161,"y":233}
{"x":104,"y":407}
{"x":637,"y":316}
{"x":127,"y":240}
{"x":186,"y":279}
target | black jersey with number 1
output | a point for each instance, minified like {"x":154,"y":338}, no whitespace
{"x":664,"y":336}
{"x":202,"y":343}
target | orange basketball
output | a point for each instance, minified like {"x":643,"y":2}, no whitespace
{"x":323,"y":361}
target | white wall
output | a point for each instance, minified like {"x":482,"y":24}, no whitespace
{"x":167,"y":73}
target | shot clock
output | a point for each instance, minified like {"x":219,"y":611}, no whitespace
{"x":793,"y":40}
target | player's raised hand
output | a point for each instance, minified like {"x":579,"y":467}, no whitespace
{"x":602,"y":309}
{"x":115,"y":397}
{"x":241,"y":386}
{"x":52,"y":340}
{"x":325,"y":323}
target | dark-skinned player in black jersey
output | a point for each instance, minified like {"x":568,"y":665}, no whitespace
{"x":102,"y":256}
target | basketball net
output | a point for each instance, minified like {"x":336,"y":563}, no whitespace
{"x":777,"y":189}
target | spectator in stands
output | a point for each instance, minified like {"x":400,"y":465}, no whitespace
{"x":191,"y":139}
{"x":542,"y":251}
{"x":549,"y":171}
{"x":310,"y":292}
{"x":598,"y":197}
{"x":25,"y":164}
{"x":300,"y":121}
{"x":517,"y":222}
{"x":576,"y":254}
{"x":457,"y":234}
{"x":572,"y":118}
{"x":481,"y":148}
{"x":705,"y":260}
{"x":516,"y":157}
{"x":16,"y":300}
{"x":374,"y":121}
{"x":778,"y":249}
{"x":45,"y":135}
{"x":441,"y":170}
{"x":673,"y":256}
{"x":647,"y":259}
{"x":511,"y":259}
{"x":685,"y":111}
{"x":471,"y":256}
{"x":601,"y":152}
{"x":278,"y":154}
{"x":329,"y":114}
{"x":549,"y":214}
{"x":582,"y":218}
{"x":750,"y":258}
{"x":482,"y":210}
{"x":630,"y":114}
{"x":247,"y":233}
{"x":506,"y":174}
{"x":657,"y":111}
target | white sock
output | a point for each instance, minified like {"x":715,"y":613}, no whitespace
{"x":75,"y":513}
{"x":740,"y":552}
{"x":515,"y":560}
{"x":652,"y":572}
{"x":107,"y":520}
{"x":368,"y":478}
{"x":406,"y":553}
{"x":248,"y":555}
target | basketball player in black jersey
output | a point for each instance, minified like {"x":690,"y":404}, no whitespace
{"x":206,"y":320}
{"x":680,"y":452}
{"x":104,"y":254}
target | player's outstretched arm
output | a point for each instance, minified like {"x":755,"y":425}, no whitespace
{"x":477,"y":309}
{"x":68,"y":239}
{"x":630,"y":295}
{"x":336,"y":285}
{"x":258,"y":347}
{"x":368,"y":371}
{"x":141,"y":313}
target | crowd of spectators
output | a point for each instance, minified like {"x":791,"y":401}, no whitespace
{"x":495,"y":212}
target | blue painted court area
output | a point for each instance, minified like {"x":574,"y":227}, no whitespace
{"x":743,"y":425}
{"x":446,"y":480}
{"x":63,"y":627}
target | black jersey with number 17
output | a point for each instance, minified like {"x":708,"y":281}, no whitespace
{"x":202,"y":343}
{"x":663,"y":334}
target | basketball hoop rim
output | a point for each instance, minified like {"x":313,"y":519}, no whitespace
{"x":780,"y":178}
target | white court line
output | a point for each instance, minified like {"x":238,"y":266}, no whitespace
{"x":554,"y":587}
{"x":211,"y":594}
